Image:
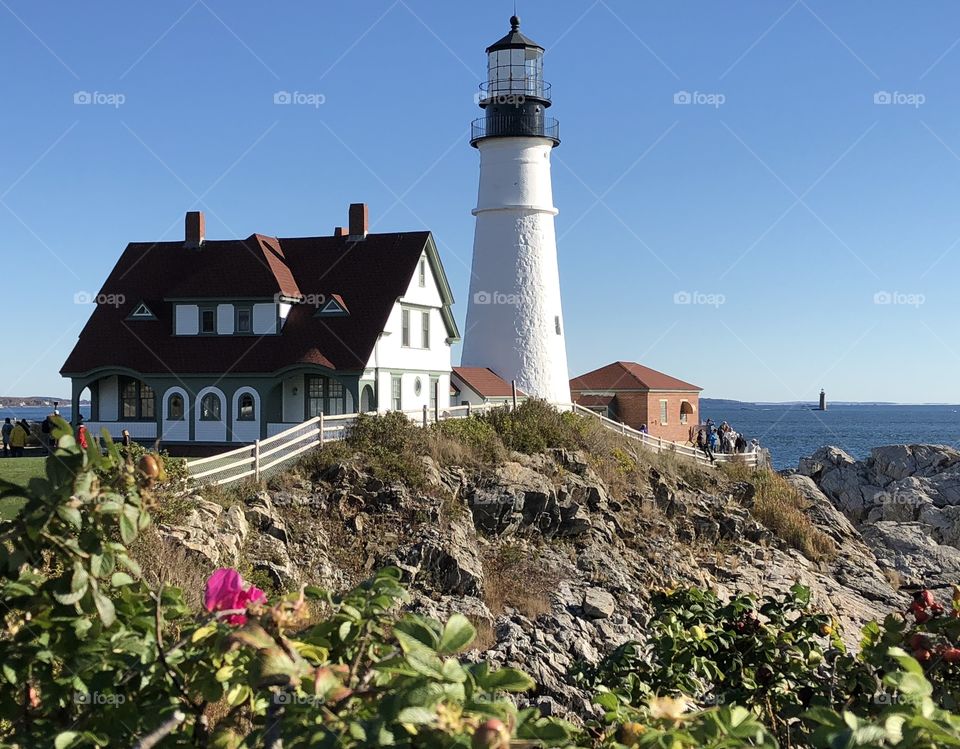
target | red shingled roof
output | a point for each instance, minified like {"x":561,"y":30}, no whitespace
{"x":368,"y":276}
{"x":625,"y":375}
{"x":485,"y":382}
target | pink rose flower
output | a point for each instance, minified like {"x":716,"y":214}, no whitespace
{"x":227,"y":591}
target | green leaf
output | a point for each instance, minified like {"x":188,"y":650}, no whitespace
{"x":128,"y":523}
{"x":119,"y":579}
{"x":458,"y":633}
{"x":9,"y":674}
{"x":65,"y":739}
{"x":417,"y":715}
{"x":507,"y":680}
{"x":108,"y":613}
{"x":70,"y":515}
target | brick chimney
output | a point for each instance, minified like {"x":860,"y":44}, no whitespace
{"x":340,"y":231}
{"x":359,"y":220}
{"x":193,"y":229}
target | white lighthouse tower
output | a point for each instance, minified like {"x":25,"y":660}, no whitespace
{"x":514,"y":317}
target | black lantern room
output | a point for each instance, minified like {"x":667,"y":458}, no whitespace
{"x":515,"y":96}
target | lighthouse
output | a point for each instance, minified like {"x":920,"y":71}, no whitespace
{"x":514,"y":318}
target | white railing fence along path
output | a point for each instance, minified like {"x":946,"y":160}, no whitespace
{"x":266,"y":456}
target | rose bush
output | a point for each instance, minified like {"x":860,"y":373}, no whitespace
{"x":92,"y":656}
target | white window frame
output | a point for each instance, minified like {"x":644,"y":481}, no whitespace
{"x":405,"y":328}
{"x":396,"y":392}
{"x":664,"y":411}
{"x":422,"y":273}
{"x":425,"y":329}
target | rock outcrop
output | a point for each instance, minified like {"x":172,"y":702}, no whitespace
{"x":553,"y":567}
{"x":904,"y":500}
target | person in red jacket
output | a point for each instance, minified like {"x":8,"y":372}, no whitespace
{"x":81,"y":433}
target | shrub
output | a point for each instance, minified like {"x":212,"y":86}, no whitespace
{"x":92,"y":656}
{"x":534,"y":426}
{"x":781,"y":509}
{"x":477,"y":435}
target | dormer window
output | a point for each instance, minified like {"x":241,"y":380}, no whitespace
{"x":244,"y":319}
{"x":208,"y":320}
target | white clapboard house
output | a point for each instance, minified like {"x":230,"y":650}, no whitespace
{"x":227,"y":341}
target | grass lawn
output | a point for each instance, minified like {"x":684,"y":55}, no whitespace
{"x":17,"y":471}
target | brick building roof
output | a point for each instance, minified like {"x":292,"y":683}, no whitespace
{"x":629,"y":376}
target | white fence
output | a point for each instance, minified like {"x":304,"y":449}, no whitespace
{"x":660,"y":445}
{"x":267,"y":455}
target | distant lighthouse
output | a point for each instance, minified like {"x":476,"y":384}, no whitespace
{"x":823,"y":399}
{"x":514,"y":318}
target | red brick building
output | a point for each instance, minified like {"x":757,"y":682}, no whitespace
{"x":638,"y":395}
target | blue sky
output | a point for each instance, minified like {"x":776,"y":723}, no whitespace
{"x":805,"y":203}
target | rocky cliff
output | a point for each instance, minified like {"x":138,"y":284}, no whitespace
{"x":904,"y":500}
{"x":553,"y":568}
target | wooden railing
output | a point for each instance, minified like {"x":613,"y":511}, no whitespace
{"x":267,"y":456}
{"x":681,"y":450}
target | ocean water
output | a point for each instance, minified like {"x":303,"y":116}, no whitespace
{"x":39,"y":413}
{"x":791,"y":432}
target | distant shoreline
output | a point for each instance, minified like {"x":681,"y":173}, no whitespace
{"x":812,"y":404}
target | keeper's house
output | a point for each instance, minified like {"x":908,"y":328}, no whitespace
{"x":217,"y":342}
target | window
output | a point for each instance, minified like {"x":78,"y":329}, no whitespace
{"x":208,"y":320}
{"x":663,"y":412}
{"x":142,"y":312}
{"x":422,"y":273}
{"x":405,"y":328}
{"x":395,"y":397}
{"x":417,"y":386}
{"x":314,"y":396}
{"x":244,"y":319}
{"x":336,"y":397}
{"x":146,"y":402}
{"x":210,"y":407}
{"x":246,"y":408}
{"x":434,"y":387}
{"x":425,"y":327}
{"x":129,"y":399}
{"x":175,"y":407}
{"x":136,"y":400}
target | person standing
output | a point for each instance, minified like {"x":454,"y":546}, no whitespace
{"x":81,"y":433}
{"x":5,"y":433}
{"x":18,"y":439}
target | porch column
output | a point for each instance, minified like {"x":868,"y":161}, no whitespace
{"x":76,"y":388}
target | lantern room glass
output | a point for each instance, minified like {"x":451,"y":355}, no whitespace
{"x":515,"y":71}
